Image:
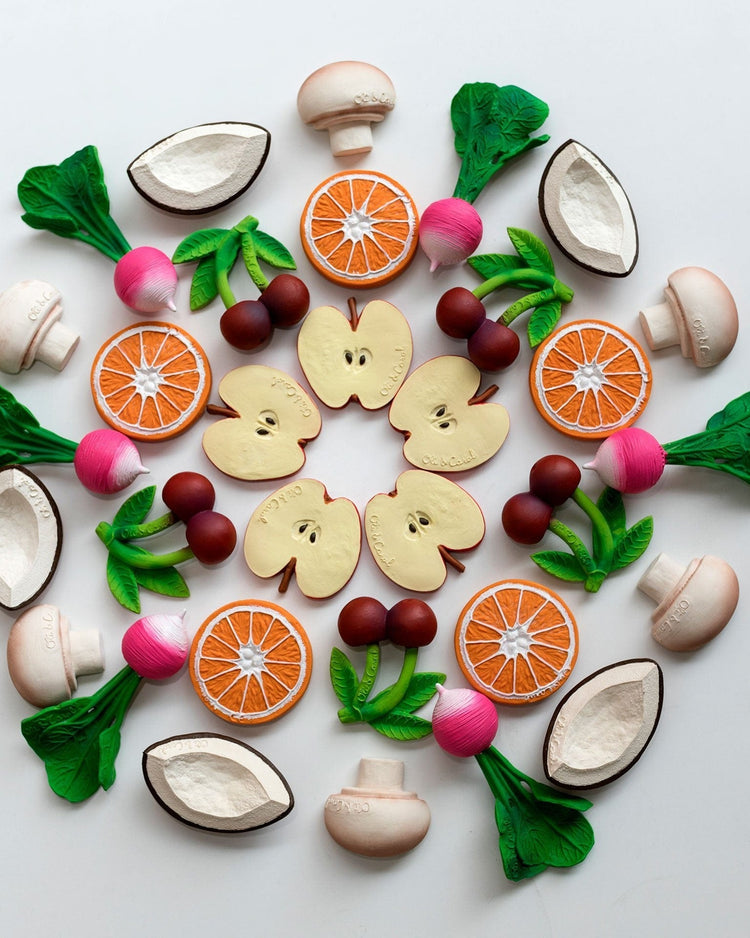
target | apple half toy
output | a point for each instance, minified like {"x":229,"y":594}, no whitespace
{"x":301,"y":531}
{"x":362,"y":358}
{"x":201,"y":168}
{"x":412,"y":530}
{"x":448,"y":427}
{"x":269,"y":420}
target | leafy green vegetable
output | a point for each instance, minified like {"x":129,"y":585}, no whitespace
{"x":78,"y":740}
{"x":217,"y":249}
{"x":71,"y":201}
{"x":491,"y":126}
{"x":23,"y":441}
{"x":538,"y":826}
{"x":724,"y":445}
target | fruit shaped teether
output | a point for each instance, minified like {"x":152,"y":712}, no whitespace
{"x":359,"y":229}
{"x":247,"y":325}
{"x":105,"y":460}
{"x":412,"y":530}
{"x":410,"y":624}
{"x":30,"y":327}
{"x":201,"y":168}
{"x":71,"y":200}
{"x":30,"y":537}
{"x":602,"y":726}
{"x":698,"y":314}
{"x":632,"y":460}
{"x":527,"y":517}
{"x":492,"y":345}
{"x":491,"y":126}
{"x":78,"y":739}
{"x":211,"y":538}
{"x":303,"y":533}
{"x":46,"y":656}
{"x":364,"y":358}
{"x":346,"y":98}
{"x":694,"y":603}
{"x":587,"y":212}
{"x":590,"y":378}
{"x":269,"y":419}
{"x":216,"y":783}
{"x":516,"y":642}
{"x":150,"y":381}
{"x":250,"y":662}
{"x":539,"y":826}
{"x":376,"y":817}
{"x":447,"y":425}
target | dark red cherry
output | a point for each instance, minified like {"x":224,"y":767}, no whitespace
{"x":493,"y":346}
{"x":526,"y":518}
{"x":362,"y":622}
{"x":411,"y":623}
{"x":459,"y":313}
{"x":554,"y":479}
{"x":287,"y":299}
{"x":246,"y":325}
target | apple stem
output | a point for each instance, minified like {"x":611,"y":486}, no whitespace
{"x":218,"y":411}
{"x":286,"y":577}
{"x":485,"y":395}
{"x":353,"y":314}
{"x":450,"y":559}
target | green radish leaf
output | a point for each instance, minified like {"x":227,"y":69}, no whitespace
{"x":560,"y":564}
{"x":109,"y":746}
{"x":251,"y":262}
{"x":736,"y":411}
{"x":272,"y":251}
{"x":532,"y":249}
{"x":204,"y":287}
{"x":167,"y":581}
{"x":542,"y":322}
{"x":199,"y":244}
{"x":14,"y":411}
{"x":633,"y":543}
{"x":86,"y":166}
{"x":402,"y":728}
{"x":610,"y":503}
{"x":344,"y":678}
{"x":62,"y":226}
{"x":135,"y":508}
{"x":420,"y":691}
{"x":247,"y":225}
{"x":123,"y":584}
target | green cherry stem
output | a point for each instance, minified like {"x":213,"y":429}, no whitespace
{"x":530,"y":301}
{"x":392,"y":696}
{"x":132,"y":532}
{"x":603,"y":540}
{"x":136,"y":556}
{"x":519,"y":277}
{"x":372,"y":665}
{"x":575,"y":544}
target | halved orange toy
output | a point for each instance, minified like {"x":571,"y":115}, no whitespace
{"x":150,"y":381}
{"x":516,"y":642}
{"x":250,"y":662}
{"x":359,"y":228}
{"x":590,"y":378}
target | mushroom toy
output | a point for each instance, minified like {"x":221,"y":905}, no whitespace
{"x":698,"y":314}
{"x":694,"y":602}
{"x":30,"y":328}
{"x":345,"y":98}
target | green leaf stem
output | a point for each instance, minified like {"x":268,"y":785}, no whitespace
{"x":23,"y":440}
{"x":217,"y":249}
{"x":724,"y":445}
{"x":71,"y":201}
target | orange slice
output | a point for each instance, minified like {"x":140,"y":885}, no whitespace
{"x":150,"y":381}
{"x":516,"y":642}
{"x":359,"y":228}
{"x":250,"y":662}
{"x":590,"y":378}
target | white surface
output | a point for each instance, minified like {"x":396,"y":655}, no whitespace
{"x":658,"y":92}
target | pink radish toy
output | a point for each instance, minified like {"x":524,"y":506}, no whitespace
{"x":538,"y":826}
{"x":632,"y":460}
{"x":71,"y":200}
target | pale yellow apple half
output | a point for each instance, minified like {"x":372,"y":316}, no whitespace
{"x":447,"y":430}
{"x":268,"y":420}
{"x":300,"y":529}
{"x":364,"y":358}
{"x":412,"y":530}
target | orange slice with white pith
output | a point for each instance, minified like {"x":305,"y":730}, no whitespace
{"x":590,"y":378}
{"x":150,"y":381}
{"x":516,"y":642}
{"x":359,"y":228}
{"x":250,"y":662}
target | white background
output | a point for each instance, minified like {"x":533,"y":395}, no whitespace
{"x":660,"y":94}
